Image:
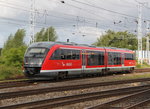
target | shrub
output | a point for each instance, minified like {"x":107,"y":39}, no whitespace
{"x":7,"y":72}
{"x":14,"y":56}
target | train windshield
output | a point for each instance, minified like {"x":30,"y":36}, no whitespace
{"x":35,"y":56}
{"x":36,"y":52}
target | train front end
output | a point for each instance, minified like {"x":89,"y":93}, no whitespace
{"x":34,"y":58}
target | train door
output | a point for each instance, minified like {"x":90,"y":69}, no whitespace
{"x":83,"y":61}
{"x":122,"y":59}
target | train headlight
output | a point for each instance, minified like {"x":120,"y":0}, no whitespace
{"x":34,"y":61}
{"x":39,"y":61}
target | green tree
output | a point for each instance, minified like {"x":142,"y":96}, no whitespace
{"x":15,"y":41}
{"x":0,"y":51}
{"x":48,"y":34}
{"x":14,"y":48}
{"x":8,"y":44}
{"x":18,"y":39}
{"x":117,"y":39}
{"x":14,"y":56}
{"x":144,"y":40}
{"x":144,"y":43}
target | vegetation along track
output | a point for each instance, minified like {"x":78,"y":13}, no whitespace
{"x":6,"y":95}
{"x":20,"y":83}
{"x":136,"y":100}
{"x":67,"y":100}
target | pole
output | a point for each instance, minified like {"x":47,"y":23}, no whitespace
{"x":48,"y":34}
{"x":32,"y":21}
{"x":147,"y":41}
{"x":140,"y":54}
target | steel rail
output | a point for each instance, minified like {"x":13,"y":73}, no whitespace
{"x":20,"y":83}
{"x":142,"y":70}
{"x":61,"y":101}
{"x":14,"y":84}
{"x":107,"y":105}
{"x":140,"y":104}
{"x":22,"y":93}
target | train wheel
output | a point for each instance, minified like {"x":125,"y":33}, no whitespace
{"x":132,"y":70}
{"x":62,"y":75}
{"x":103,"y":72}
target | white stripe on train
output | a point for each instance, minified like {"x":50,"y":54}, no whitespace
{"x":44,"y":71}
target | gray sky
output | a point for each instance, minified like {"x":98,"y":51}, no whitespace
{"x":81,"y":21}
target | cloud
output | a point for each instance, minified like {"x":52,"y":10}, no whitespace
{"x":64,"y":16}
{"x":47,"y":5}
{"x":82,"y":35}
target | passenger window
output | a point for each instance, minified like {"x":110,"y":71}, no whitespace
{"x":63,"y":54}
{"x":95,"y":58}
{"x":66,"y":54}
{"x":56,"y":55}
{"x":129,"y":56}
{"x":114,"y":58}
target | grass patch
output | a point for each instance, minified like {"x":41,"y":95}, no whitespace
{"x":144,"y":65}
{"x":7,"y":72}
{"x":136,"y":76}
{"x":127,"y":76}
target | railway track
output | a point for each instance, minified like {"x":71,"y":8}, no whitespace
{"x":22,"y":93}
{"x":62,"y":101}
{"x":67,"y":100}
{"x":132,"y":101}
{"x":142,"y":70}
{"x":10,"y":84}
{"x":20,"y":83}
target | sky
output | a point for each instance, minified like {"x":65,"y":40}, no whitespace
{"x":80,"y":21}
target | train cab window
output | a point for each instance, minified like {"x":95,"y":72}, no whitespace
{"x":66,"y":54}
{"x":36,"y":52}
{"x":95,"y":58}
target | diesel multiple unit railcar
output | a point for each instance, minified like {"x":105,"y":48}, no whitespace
{"x":60,"y":59}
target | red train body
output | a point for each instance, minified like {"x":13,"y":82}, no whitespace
{"x":56,"y":59}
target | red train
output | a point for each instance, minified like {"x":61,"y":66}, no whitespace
{"x":60,"y":59}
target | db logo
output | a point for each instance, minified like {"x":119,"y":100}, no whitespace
{"x":66,"y":64}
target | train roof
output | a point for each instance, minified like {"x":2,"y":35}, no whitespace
{"x":50,"y":44}
{"x":42,"y":44}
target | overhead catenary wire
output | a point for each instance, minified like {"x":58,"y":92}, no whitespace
{"x":73,"y":6}
{"x":98,"y":7}
{"x":70,"y":5}
{"x":18,"y":20}
{"x":64,"y":17}
{"x":13,"y":4}
{"x":51,"y":14}
{"x":59,"y":26}
{"x":70,"y":19}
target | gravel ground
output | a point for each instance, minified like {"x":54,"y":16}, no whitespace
{"x":87,"y":104}
{"x":74,"y":82}
{"x":67,"y":93}
{"x":61,"y":94}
